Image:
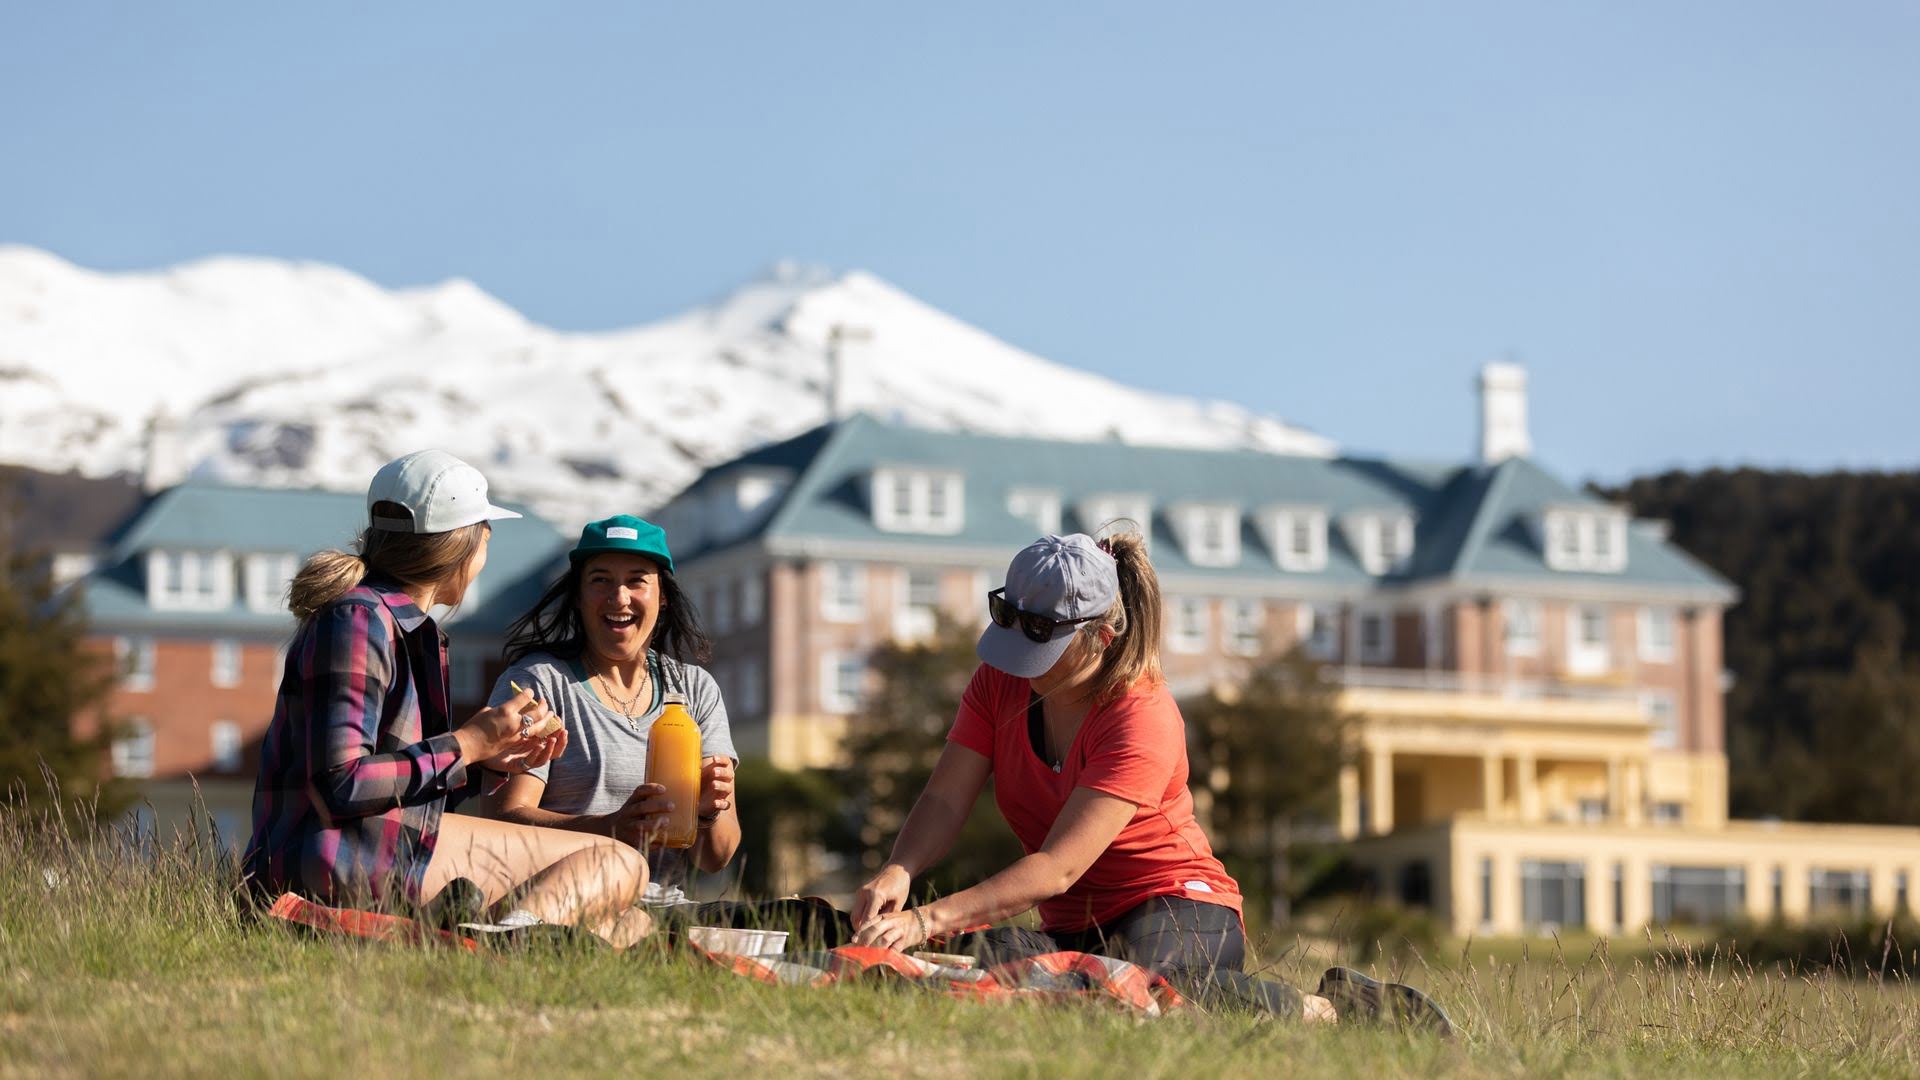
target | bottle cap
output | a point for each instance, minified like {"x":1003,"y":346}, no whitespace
{"x":673,"y":697}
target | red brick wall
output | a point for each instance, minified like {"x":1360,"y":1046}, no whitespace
{"x":183,"y":703}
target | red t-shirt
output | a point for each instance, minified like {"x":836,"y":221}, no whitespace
{"x":1133,"y":748}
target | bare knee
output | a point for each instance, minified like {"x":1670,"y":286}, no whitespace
{"x":625,"y":871}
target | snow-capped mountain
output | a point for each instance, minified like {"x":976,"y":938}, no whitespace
{"x":273,"y":372}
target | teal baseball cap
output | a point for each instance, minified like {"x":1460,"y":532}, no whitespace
{"x":623,"y":532}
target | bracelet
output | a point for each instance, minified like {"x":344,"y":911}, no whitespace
{"x":708,"y":822}
{"x":920,"y":919}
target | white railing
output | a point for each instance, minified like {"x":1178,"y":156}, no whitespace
{"x":1458,"y":682}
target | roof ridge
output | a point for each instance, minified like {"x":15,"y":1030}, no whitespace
{"x":1482,"y":522}
{"x":807,"y":476}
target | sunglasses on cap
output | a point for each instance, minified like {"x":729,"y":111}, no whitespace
{"x":1038,"y":628}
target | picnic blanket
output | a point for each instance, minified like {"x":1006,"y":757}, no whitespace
{"x":1062,"y":976}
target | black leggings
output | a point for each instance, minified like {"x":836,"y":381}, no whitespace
{"x":1200,"y":948}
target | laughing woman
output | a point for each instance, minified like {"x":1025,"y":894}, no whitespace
{"x":604,"y":646}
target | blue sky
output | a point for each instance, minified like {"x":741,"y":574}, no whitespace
{"x":1695,"y":223}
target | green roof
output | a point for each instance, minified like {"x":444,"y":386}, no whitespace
{"x":1471,"y":522}
{"x":522,"y":556}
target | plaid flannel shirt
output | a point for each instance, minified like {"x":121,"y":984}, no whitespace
{"x":358,"y":763}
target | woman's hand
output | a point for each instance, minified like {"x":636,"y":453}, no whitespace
{"x":531,"y":755}
{"x":899,"y":931}
{"x":886,"y":893}
{"x":716,"y":785}
{"x":504,"y":728}
{"x":642,"y":817}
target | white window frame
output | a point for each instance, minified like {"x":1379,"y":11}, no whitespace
{"x":227,"y":663}
{"x":1651,"y":649}
{"x":1571,"y":539}
{"x":132,"y":753}
{"x":1584,"y":658}
{"x":1382,"y":651}
{"x":1280,"y":525}
{"x":1099,"y":511}
{"x":749,"y":689}
{"x":228,"y":745}
{"x":843,"y":591}
{"x":1377,"y":556}
{"x":267,"y":576}
{"x":753,"y":600}
{"x":1039,"y":507}
{"x":137,"y":660}
{"x":835,"y":697}
{"x":1187,"y":630}
{"x":1517,"y":645}
{"x":1313,"y":617}
{"x":1665,"y":734}
{"x":1209,"y":532}
{"x":189,"y":580}
{"x":927,"y":501}
{"x":1246,"y":627}
{"x":915,"y":621}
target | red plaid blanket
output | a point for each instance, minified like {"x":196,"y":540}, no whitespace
{"x":1066,"y":976}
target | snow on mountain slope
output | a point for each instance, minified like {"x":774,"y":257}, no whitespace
{"x":274,"y":372}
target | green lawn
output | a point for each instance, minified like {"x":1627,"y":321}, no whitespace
{"x":118,"y":965}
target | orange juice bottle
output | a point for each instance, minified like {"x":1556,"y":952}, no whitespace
{"x":673,"y":760}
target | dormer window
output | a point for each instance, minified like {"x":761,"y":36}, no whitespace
{"x":189,"y":580}
{"x":1209,"y":532}
{"x":1098,"y":512}
{"x":266,"y":577}
{"x":918,"y":501}
{"x":1383,"y":541}
{"x":1584,"y":538}
{"x":1297,"y":537}
{"x":1037,"y":507}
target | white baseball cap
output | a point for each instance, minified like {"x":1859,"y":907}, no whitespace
{"x":441,"y":494}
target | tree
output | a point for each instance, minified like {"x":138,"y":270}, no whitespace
{"x":47,"y":678}
{"x":893,"y":742}
{"x":1269,"y":751}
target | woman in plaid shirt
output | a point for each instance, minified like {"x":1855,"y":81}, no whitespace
{"x":362,"y":755}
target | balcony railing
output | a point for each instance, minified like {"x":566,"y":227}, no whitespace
{"x":1457,"y":682}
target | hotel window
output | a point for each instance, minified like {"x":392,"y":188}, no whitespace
{"x":1385,"y":542}
{"x":133,"y":750}
{"x":1296,"y":535}
{"x":1779,"y":892}
{"x":1523,"y":627}
{"x":1593,"y":811}
{"x":226,"y":746}
{"x":1553,"y":894}
{"x":1486,"y":893}
{"x":919,"y":605}
{"x":1669,"y":813}
{"x":1663,"y":718}
{"x":1320,"y":632}
{"x":1189,"y":629}
{"x":1656,"y":634}
{"x":1900,"y":892}
{"x":1375,"y":629}
{"x":1587,"y":640}
{"x":842,"y":682}
{"x":1246,"y":621}
{"x":267,"y":578}
{"x":917,"y":500}
{"x":720,"y":607}
{"x":1838,"y":892}
{"x":226,"y":662}
{"x":1592,"y":540}
{"x":1619,"y":875}
{"x":1698,"y":895}
{"x":749,"y":698}
{"x":135,"y":658}
{"x":189,"y":580}
{"x":1038,"y":508}
{"x":843,"y":592}
{"x":1210,"y":533}
{"x":753,"y":600}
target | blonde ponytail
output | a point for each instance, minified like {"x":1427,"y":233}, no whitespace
{"x":324,"y":578}
{"x":1134,"y":654}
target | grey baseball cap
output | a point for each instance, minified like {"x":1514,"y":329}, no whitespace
{"x":441,"y":493}
{"x":1063,"y":578}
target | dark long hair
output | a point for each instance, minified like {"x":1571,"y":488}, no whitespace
{"x":554,"y":624}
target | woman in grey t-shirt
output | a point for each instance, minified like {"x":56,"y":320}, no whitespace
{"x":603,"y":648}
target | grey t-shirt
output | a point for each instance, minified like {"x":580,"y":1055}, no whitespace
{"x":606,"y":755}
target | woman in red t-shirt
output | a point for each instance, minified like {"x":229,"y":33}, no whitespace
{"x":1070,"y":718}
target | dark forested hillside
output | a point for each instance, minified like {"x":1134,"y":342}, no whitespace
{"x":1823,"y":719}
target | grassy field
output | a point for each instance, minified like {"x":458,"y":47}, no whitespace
{"x":113,"y":963}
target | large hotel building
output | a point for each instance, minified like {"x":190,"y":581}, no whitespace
{"x":1536,"y":678}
